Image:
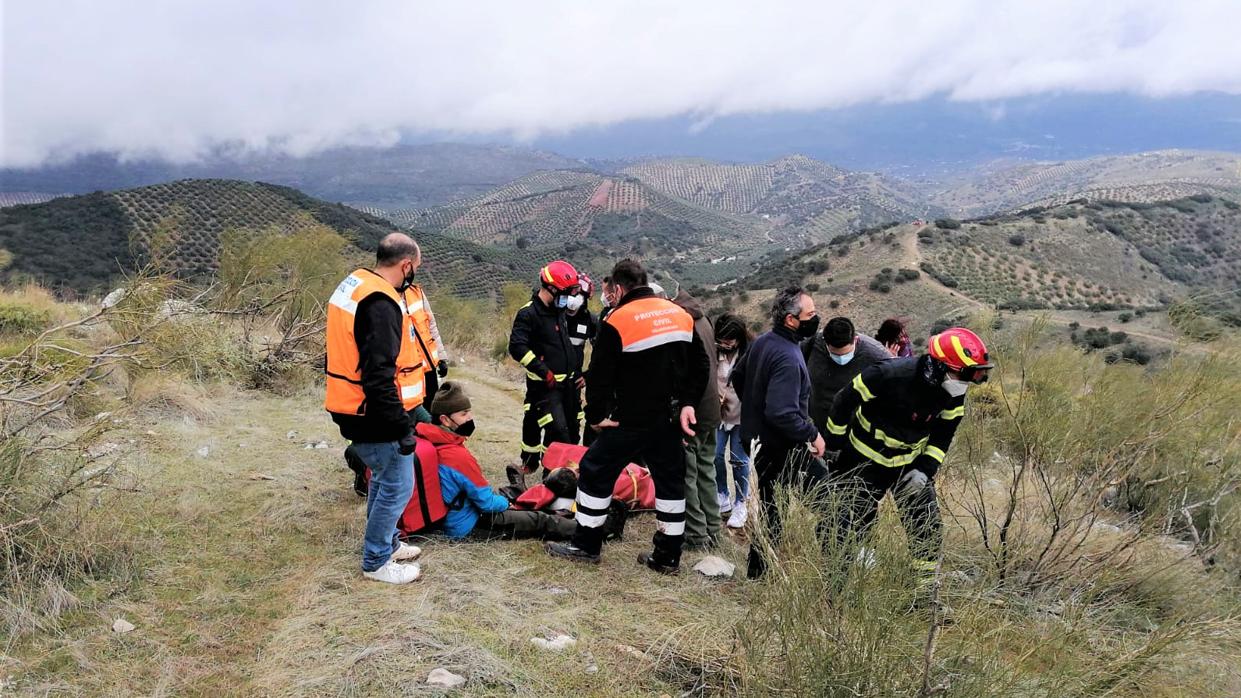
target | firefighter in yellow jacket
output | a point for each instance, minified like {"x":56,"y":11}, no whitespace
{"x":376,"y":375}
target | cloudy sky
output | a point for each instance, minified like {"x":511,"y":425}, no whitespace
{"x":177,"y":79}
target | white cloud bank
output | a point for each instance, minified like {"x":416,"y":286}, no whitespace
{"x":177,"y":79}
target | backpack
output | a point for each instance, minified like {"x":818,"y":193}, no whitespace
{"x":426,"y":506}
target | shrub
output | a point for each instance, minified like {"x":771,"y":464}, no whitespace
{"x":22,"y":319}
{"x":1125,"y":317}
{"x":947,"y":223}
{"x":1016,"y":240}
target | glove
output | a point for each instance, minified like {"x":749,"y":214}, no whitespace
{"x":913,"y":481}
{"x":406,"y":445}
{"x":550,"y":379}
{"x":442,"y":368}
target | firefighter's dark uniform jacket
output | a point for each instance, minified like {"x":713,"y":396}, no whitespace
{"x":540,"y":342}
{"x":647,"y":387}
{"x":896,"y":414}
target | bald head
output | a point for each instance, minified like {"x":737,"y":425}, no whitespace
{"x":396,"y":248}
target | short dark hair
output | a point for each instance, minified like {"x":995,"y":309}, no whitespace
{"x":890,"y":331}
{"x":787,"y":302}
{"x":395,"y":247}
{"x":628,"y":274}
{"x":839,"y":332}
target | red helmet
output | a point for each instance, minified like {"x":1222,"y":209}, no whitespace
{"x":588,"y":286}
{"x":962,"y":351}
{"x":559,"y":276}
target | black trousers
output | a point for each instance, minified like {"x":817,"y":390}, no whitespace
{"x":660,"y":448}
{"x":516,"y":524}
{"x":864,"y":484}
{"x":545,"y":420}
{"x":778,"y":462}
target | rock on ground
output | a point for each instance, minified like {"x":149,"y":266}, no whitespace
{"x":558,"y":643}
{"x":120,"y":625}
{"x":715,"y":566}
{"x":445,"y":678}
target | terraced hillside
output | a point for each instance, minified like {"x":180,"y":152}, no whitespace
{"x":794,"y":191}
{"x":594,"y":217}
{"x":22,"y":198}
{"x":1142,"y":177}
{"x":83,"y":243}
{"x":1121,"y":258}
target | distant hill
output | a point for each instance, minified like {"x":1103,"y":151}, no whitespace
{"x":794,"y":191}
{"x":83,"y":243}
{"x":21,"y":198}
{"x":397,"y":177}
{"x":699,"y":221}
{"x":1142,"y":177}
{"x":1100,"y":256}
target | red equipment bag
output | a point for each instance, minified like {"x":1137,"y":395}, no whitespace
{"x":426,"y":505}
{"x":634,"y":486}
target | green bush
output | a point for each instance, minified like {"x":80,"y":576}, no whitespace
{"x":947,"y":223}
{"x":21,"y":319}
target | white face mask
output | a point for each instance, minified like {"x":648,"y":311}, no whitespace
{"x":954,"y":387}
{"x":574,"y":303}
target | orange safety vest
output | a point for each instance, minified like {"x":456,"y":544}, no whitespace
{"x":344,"y":375}
{"x":651,"y":322}
{"x":415,"y":302}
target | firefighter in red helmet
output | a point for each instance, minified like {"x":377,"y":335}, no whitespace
{"x":893,"y":426}
{"x":540,"y":341}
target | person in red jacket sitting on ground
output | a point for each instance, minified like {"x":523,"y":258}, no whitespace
{"x":474,"y":509}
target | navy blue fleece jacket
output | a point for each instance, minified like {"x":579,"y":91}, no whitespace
{"x":774,"y":387}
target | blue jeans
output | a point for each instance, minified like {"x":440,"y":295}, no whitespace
{"x":731,"y":440}
{"x":392,"y":483}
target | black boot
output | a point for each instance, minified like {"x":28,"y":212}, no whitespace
{"x":614,"y":525}
{"x":516,"y":476}
{"x":570,"y":551}
{"x":354,"y":461}
{"x":652,"y":562}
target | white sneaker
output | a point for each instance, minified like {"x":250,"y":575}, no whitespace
{"x":726,"y":502}
{"x":737,"y":520}
{"x":406,"y":552}
{"x":395,"y":573}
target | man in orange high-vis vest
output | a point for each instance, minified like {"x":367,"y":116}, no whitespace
{"x":647,"y":373}
{"x":375,"y":375}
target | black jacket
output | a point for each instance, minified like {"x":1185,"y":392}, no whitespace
{"x":774,"y":387}
{"x":377,"y":331}
{"x":540,"y":342}
{"x":643,"y":388}
{"x":827,"y":378}
{"x":897,"y":413}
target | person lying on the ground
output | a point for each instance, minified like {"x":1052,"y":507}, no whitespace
{"x":474,"y":509}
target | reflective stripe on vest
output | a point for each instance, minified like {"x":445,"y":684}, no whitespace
{"x":651,"y":322}
{"x":416,"y":306}
{"x":343,"y":369}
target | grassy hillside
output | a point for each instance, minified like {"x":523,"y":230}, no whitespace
{"x":85,"y":243}
{"x":1091,"y":543}
{"x":1142,"y":177}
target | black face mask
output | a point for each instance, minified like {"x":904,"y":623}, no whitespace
{"x":807,"y":328}
{"x":726,"y":351}
{"x":465,"y":428}
{"x":409,"y":279}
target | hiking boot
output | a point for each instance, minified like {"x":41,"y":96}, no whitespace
{"x":649,"y":560}
{"x":570,"y":551}
{"x":405,"y":551}
{"x":737,"y":520}
{"x":614,"y":525}
{"x":726,"y":503}
{"x":516,"y":476}
{"x":354,"y":461}
{"x":394,"y":573}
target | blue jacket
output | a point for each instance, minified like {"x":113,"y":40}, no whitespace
{"x":774,"y":387}
{"x":471,"y":502}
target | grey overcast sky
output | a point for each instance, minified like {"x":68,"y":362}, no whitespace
{"x":176,"y":79}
